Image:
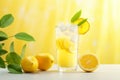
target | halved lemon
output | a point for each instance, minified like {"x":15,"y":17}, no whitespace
{"x":83,"y":28}
{"x":88,"y":62}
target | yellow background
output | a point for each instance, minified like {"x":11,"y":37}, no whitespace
{"x":39,"y":18}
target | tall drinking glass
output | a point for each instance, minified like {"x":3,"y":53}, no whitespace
{"x":66,"y":43}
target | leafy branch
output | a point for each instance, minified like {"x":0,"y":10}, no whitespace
{"x":12,"y":60}
{"x":76,"y":16}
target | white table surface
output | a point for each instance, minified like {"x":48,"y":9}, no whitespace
{"x":104,"y":72}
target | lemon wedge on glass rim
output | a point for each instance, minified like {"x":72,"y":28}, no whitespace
{"x":83,"y":25}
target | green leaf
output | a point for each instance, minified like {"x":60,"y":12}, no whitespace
{"x":6,"y":20}
{"x":13,"y":68}
{"x":76,"y":16}
{"x":12,"y":47}
{"x":1,"y":45}
{"x":23,"y":51}
{"x":0,"y":22}
{"x":24,"y":36}
{"x":2,"y":52}
{"x":2,"y":63}
{"x":82,"y":22}
{"x":3,"y":36}
{"x":13,"y":58}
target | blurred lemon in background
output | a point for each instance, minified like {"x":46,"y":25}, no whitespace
{"x":45,"y":61}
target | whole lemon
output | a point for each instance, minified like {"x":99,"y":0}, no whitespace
{"x":45,"y":61}
{"x":29,"y":64}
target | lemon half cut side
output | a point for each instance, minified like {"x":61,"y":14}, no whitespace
{"x":88,"y":62}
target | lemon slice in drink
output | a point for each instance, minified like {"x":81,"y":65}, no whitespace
{"x":88,"y":62}
{"x":67,"y":43}
{"x":59,"y":43}
{"x":83,"y":28}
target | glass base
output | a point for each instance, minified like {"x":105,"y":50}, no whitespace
{"x":67,"y":69}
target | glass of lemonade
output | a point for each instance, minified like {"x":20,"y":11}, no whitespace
{"x":66,"y":43}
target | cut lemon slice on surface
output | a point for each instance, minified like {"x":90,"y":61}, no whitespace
{"x":88,"y":62}
{"x":83,"y":28}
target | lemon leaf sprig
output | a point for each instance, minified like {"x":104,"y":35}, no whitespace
{"x":2,"y":64}
{"x":23,"y":51}
{"x":14,"y":68}
{"x":3,"y":36}
{"x":6,"y":20}
{"x":24,"y":36}
{"x":12,"y":47}
{"x":12,"y":60}
{"x":76,"y":16}
{"x":82,"y":23}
